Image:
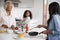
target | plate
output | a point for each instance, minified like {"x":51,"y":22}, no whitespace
{"x":39,"y":30}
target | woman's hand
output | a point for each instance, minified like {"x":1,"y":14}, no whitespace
{"x":16,"y":28}
{"x":39,"y":26}
{"x":47,"y":32}
{"x":5,"y":26}
{"x":12,"y":27}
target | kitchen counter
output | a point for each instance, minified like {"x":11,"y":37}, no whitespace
{"x":38,"y":37}
{"x":8,"y":36}
{"x":13,"y":36}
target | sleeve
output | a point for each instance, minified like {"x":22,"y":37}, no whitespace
{"x":56,"y":21}
{"x":14,"y":22}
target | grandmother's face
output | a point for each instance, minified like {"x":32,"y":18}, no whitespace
{"x":9,"y":7}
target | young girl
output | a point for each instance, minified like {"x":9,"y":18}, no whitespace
{"x":27,"y":16}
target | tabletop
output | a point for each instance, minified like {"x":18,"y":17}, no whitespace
{"x":13,"y":36}
{"x":38,"y":37}
{"x":7,"y":36}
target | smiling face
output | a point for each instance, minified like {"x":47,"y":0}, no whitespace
{"x":27,"y":14}
{"x":9,"y":7}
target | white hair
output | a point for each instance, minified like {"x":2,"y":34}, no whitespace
{"x":7,"y":3}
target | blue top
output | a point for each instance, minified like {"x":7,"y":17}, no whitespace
{"x":54,"y":26}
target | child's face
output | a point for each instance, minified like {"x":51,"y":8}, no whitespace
{"x":27,"y":14}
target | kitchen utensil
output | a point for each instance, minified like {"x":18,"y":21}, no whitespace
{"x":33,"y":33}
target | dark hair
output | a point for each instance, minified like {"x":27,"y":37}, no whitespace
{"x":24,"y":16}
{"x":53,"y":9}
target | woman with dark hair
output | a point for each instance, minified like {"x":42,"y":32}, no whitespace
{"x":53,"y":22}
{"x":27,"y":16}
{"x":52,"y":10}
{"x":27,"y":13}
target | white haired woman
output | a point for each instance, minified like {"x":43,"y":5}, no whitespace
{"x":7,"y":20}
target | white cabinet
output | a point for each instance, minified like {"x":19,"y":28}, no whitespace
{"x":26,"y":3}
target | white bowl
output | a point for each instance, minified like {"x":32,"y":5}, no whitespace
{"x":9,"y":31}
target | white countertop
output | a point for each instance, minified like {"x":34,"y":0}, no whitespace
{"x":13,"y":36}
{"x":38,"y":37}
{"x":7,"y":36}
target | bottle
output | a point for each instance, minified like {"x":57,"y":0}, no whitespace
{"x":26,"y":28}
{"x":22,"y":28}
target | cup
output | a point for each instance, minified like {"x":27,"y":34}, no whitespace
{"x":9,"y":30}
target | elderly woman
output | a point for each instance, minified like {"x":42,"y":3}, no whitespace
{"x":7,"y":20}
